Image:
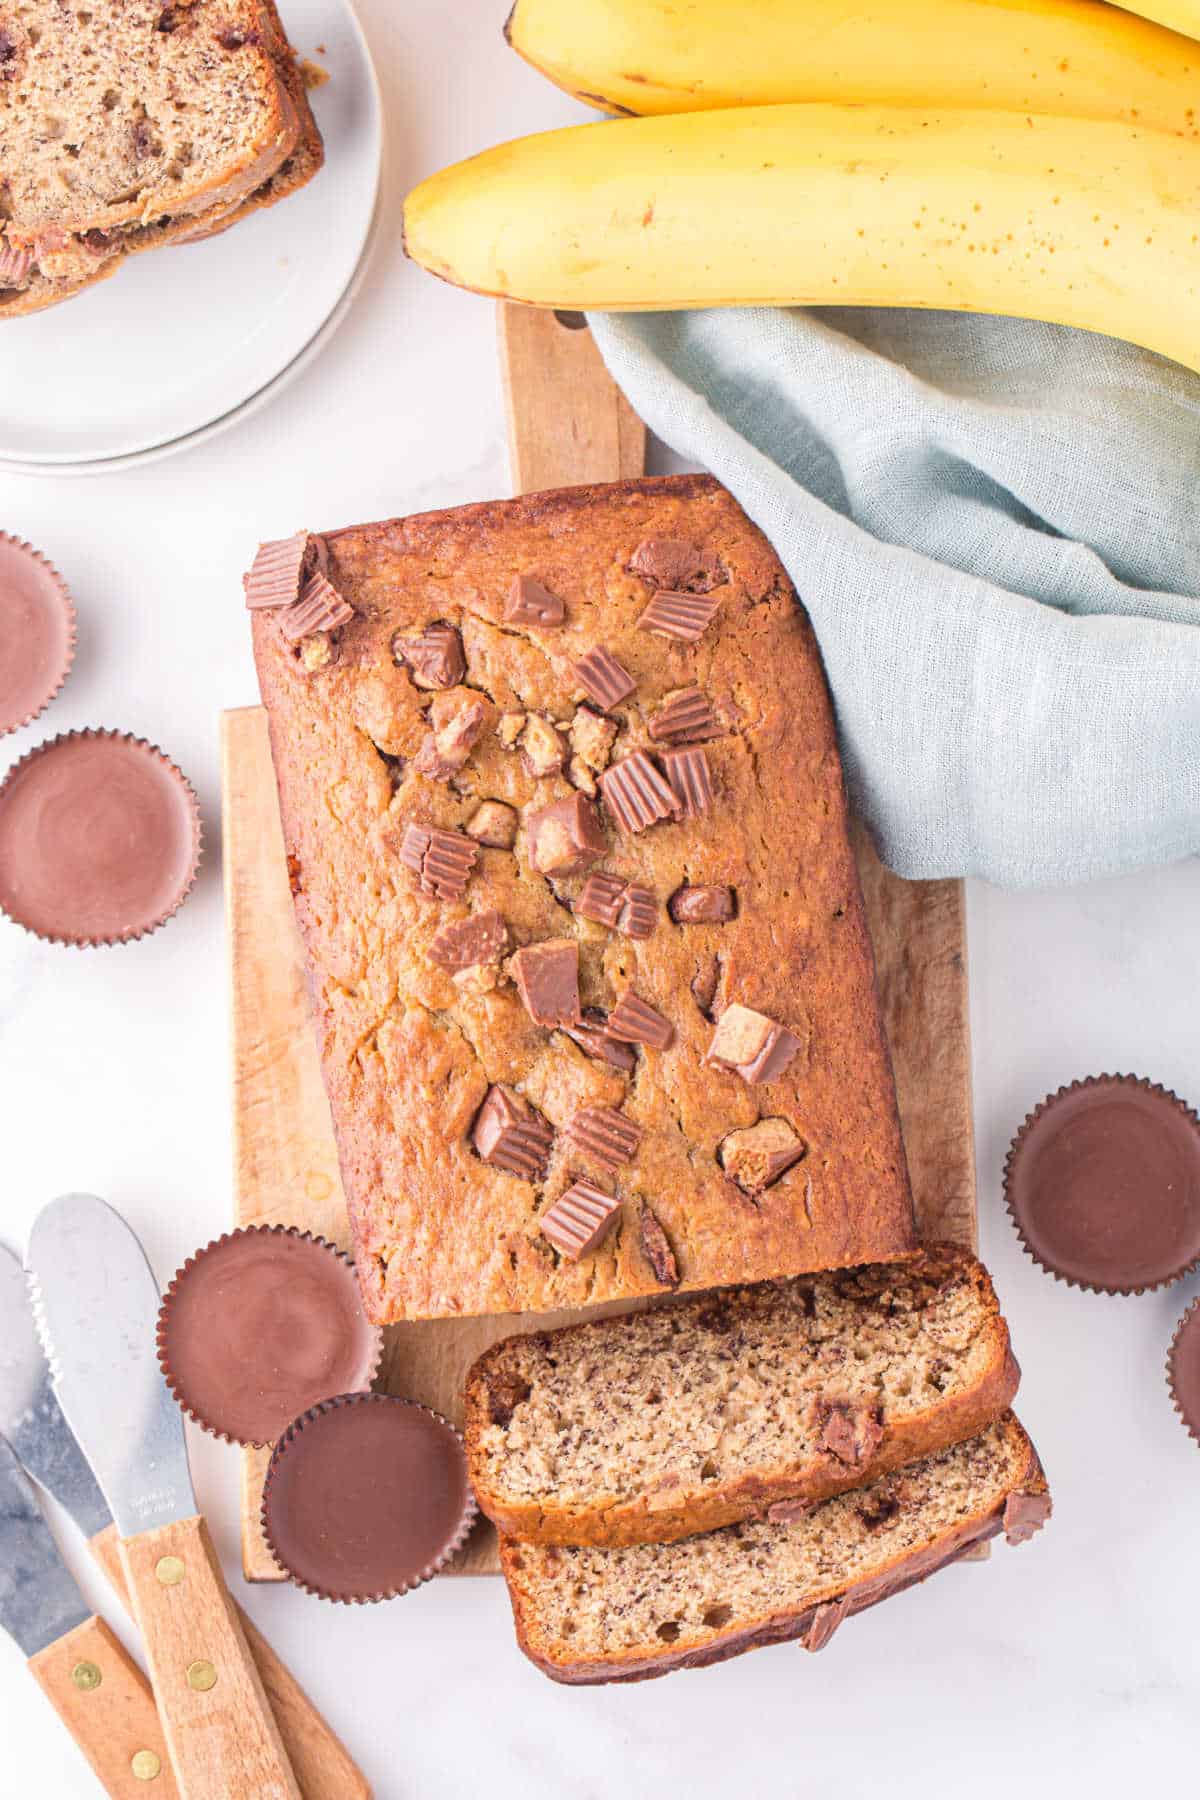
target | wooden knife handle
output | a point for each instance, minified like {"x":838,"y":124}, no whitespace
{"x":106,"y":1704}
{"x":322,"y":1765}
{"x":219,"y":1726}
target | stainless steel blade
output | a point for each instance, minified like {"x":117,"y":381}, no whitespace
{"x":96,"y":1305}
{"x":30,"y":1416}
{"x":38,"y":1597}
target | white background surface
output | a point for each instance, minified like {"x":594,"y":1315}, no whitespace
{"x":1070,"y":1665}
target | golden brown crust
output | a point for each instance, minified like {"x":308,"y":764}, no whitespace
{"x":891,"y":1576}
{"x":643,"y":1518}
{"x":408,"y":1056}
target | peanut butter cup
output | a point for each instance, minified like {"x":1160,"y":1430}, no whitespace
{"x":1103,"y":1184}
{"x":261,"y":1325}
{"x":99,"y":839}
{"x":1183,"y":1370}
{"x":37,"y":630}
{"x":366,"y":1497}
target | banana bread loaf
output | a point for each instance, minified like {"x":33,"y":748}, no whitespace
{"x":593,"y":1615}
{"x":727,"y":1405}
{"x":566,"y":830}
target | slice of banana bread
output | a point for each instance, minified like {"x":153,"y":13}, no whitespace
{"x":698,"y":1413}
{"x":592,"y":1615}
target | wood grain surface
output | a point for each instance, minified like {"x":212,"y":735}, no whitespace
{"x":567,"y":423}
{"x":106,"y":1704}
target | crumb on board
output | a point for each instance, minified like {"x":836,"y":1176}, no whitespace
{"x":314,"y":75}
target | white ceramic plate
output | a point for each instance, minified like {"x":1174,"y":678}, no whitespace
{"x":182,"y":341}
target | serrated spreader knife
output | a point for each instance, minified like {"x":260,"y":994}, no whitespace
{"x":96,"y":1305}
{"x":33,"y":1422}
{"x":95,"y":1687}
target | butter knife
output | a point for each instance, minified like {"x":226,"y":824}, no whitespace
{"x":96,"y":1305}
{"x":33,"y":1422}
{"x":95,"y":1687}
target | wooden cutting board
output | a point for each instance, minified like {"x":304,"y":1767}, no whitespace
{"x":567,"y":423}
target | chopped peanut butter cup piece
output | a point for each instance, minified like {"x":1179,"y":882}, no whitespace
{"x":634,"y":1021}
{"x":579,"y":1219}
{"x":467,"y":942}
{"x":675,"y":563}
{"x":592,"y":737}
{"x":685,"y":717}
{"x":701,"y":905}
{"x":529,"y":603}
{"x":849,"y":1432}
{"x":657,"y":1247}
{"x":457,"y":719}
{"x":511,"y":1134}
{"x":601,"y":898}
{"x":755,"y":1047}
{"x":441,"y":860}
{"x":636,"y":793}
{"x":594,"y":1041}
{"x":605,"y":1134}
{"x":434,"y":657}
{"x":566,"y":837}
{"x":494,"y":825}
{"x":639,"y":912}
{"x":691,"y":782}
{"x":825,"y":1621}
{"x":319,"y":608}
{"x":1024,"y":1516}
{"x":16,"y":266}
{"x":543,"y":746}
{"x":277,"y":572}
{"x":758,"y":1155}
{"x":681,"y":616}
{"x":547,"y":978}
{"x":603,"y":679}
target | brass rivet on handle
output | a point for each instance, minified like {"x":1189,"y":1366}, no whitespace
{"x":86,"y":1676}
{"x":201,"y":1676}
{"x":145,"y":1765}
{"x":170,"y":1570}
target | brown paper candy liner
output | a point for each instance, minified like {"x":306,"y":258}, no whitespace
{"x":1187,"y":1337}
{"x":1172,"y":1270}
{"x":177,"y":1381}
{"x":56,"y":679}
{"x":455,"y":1539}
{"x":188,"y":802}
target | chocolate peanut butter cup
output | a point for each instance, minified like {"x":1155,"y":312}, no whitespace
{"x":1103,"y":1184}
{"x":260,"y":1326}
{"x":1183,"y":1370}
{"x":37,"y":630}
{"x":99,"y":839}
{"x":366,"y":1497}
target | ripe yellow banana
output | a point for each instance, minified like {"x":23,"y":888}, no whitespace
{"x":1180,"y":15}
{"x":1044,"y":56}
{"x":1081,"y":221}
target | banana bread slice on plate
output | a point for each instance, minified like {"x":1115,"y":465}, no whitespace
{"x":589,"y":1615}
{"x":722,"y":1407}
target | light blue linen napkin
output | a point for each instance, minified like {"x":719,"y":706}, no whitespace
{"x":995,"y":528}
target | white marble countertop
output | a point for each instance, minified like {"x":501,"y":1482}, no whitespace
{"x":1073,"y":1660}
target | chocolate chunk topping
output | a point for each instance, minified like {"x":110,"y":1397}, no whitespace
{"x":493,"y":825}
{"x":566,"y":837}
{"x":457,"y":719}
{"x":601,"y":898}
{"x":756,"y":1047}
{"x":467,"y":942}
{"x":511,"y":1134}
{"x":788,"y":1512}
{"x":505,"y":1392}
{"x":605,"y":1134}
{"x":657,"y":1248}
{"x":275,"y":575}
{"x":16,"y":266}
{"x":547,"y":978}
{"x":825,"y":1622}
{"x":674,"y":563}
{"x":434,"y":656}
{"x":442,"y":860}
{"x":760,"y":1153}
{"x":319,"y":608}
{"x":682,"y":616}
{"x":691,"y":782}
{"x":685,"y":717}
{"x":702,"y":905}
{"x":1025,"y":1514}
{"x":879,"y":1512}
{"x":636,"y":793}
{"x":639,"y":912}
{"x":579,"y":1218}
{"x":634,"y":1021}
{"x":603,"y":679}
{"x":850,"y":1433}
{"x":594,"y":1041}
{"x":529,"y":603}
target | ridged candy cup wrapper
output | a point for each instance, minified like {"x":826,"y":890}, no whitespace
{"x":1183,"y":1370}
{"x":37,"y":629}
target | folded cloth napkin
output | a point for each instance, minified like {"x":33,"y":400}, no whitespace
{"x":994,"y":527}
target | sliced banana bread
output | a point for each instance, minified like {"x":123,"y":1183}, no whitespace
{"x":648,"y":1428}
{"x":589,"y":1615}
